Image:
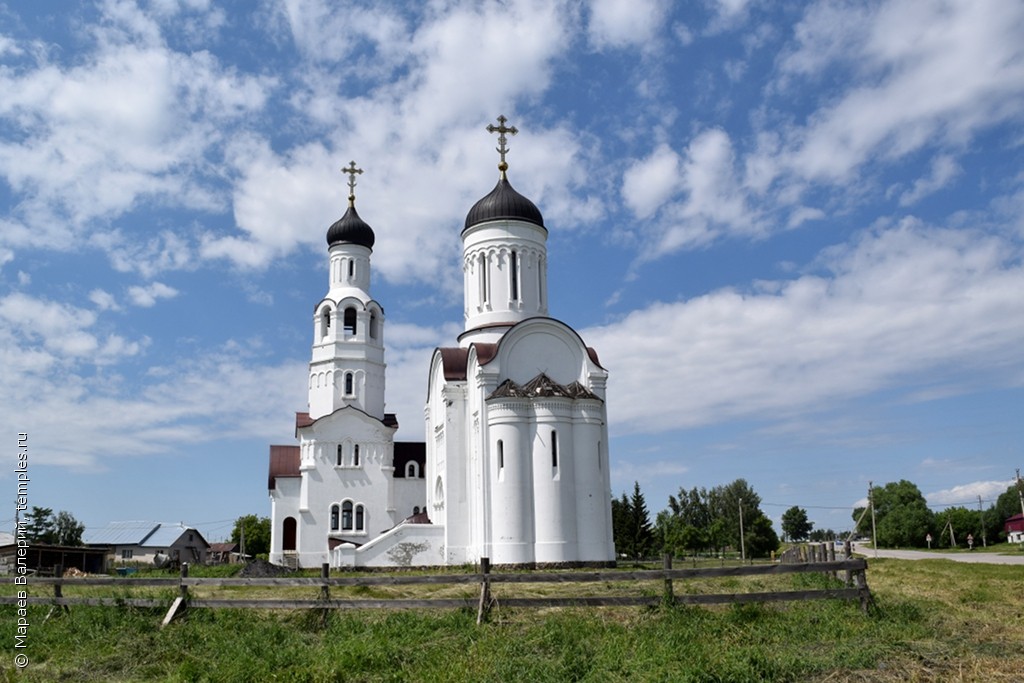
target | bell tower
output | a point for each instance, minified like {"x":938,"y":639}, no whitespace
{"x":347,"y":365}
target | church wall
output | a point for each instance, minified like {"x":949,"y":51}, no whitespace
{"x":553,"y":481}
{"x":592,"y":487}
{"x":284,"y":499}
{"x":511,"y":483}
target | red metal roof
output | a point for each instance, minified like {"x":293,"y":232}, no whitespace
{"x":284,"y":462}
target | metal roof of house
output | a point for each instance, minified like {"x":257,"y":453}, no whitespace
{"x":146,"y":534}
{"x":120,"y":533}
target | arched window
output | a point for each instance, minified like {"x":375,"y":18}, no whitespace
{"x":439,"y":491}
{"x":341,"y":456}
{"x":349,"y":384}
{"x":501,"y":454}
{"x":554,"y":448}
{"x":346,"y":516}
{"x":335,"y":517}
{"x":351,"y":268}
{"x":360,"y":518}
{"x":350,"y":322}
{"x":290,"y":529}
{"x":412,"y":470}
{"x":325,"y":322}
{"x":373,"y":325}
{"x":483,"y":279}
{"x":513,"y":272}
{"x":416,"y":510}
{"x":355,"y":455}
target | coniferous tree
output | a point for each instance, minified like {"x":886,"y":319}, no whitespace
{"x":631,"y":525}
{"x":39,"y":525}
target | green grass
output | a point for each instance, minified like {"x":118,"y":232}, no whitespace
{"x":935,"y":620}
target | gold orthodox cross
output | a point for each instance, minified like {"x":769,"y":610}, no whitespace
{"x":502,"y":147}
{"x":351,"y":171}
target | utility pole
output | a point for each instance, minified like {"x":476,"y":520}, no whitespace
{"x":981,"y":513}
{"x":743,"y":550}
{"x":1020,"y":491}
{"x":871,"y":504}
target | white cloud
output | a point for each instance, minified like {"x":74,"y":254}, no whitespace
{"x":715,"y":204}
{"x":104,"y":301}
{"x":63,"y":332}
{"x":130,"y":122}
{"x":904,"y":306}
{"x":967,"y":494}
{"x":148,"y":296}
{"x":943,"y":170}
{"x":925,"y":75}
{"x":625,"y":23}
{"x":648,"y":183}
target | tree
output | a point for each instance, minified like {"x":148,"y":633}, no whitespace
{"x":42,"y":526}
{"x":759,"y":536}
{"x":902,"y":516}
{"x":686,"y":524}
{"x":821,"y":535}
{"x":1006,"y":506}
{"x":39,"y":525}
{"x":257,"y":534}
{"x":67,"y":530}
{"x":964,"y":521}
{"x":724,"y":506}
{"x":631,"y":525}
{"x":795,"y":524}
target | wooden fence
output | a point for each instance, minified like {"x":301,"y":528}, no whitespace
{"x":856,"y":588}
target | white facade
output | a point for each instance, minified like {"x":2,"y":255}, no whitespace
{"x":515,"y":463}
{"x":517,"y":434}
{"x":339,"y":485}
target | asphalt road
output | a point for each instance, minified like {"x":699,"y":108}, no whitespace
{"x":977,"y":558}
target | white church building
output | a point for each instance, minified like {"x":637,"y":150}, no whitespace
{"x":515,"y":464}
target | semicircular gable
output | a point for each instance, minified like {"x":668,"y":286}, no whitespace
{"x":542,"y":345}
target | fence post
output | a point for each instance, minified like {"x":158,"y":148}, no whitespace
{"x":848,"y":555}
{"x":666,"y":563}
{"x":862,"y":587}
{"x":58,"y":573}
{"x":325,"y":573}
{"x":180,"y":602}
{"x":485,"y":590}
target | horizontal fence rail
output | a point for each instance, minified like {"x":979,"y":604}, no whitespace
{"x":856,"y":588}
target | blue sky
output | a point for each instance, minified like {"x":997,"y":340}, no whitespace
{"x":792,"y":231}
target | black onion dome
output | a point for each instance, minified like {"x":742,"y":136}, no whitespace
{"x":350,"y":229}
{"x":504,"y":203}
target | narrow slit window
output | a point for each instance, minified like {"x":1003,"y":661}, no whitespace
{"x":483,"y":278}
{"x":349,"y":384}
{"x":335,"y":514}
{"x":554,"y":448}
{"x":501,"y":454}
{"x":351,"y":269}
{"x":513,"y":262}
{"x":341,"y":455}
{"x":360,"y":518}
{"x":355,"y":455}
